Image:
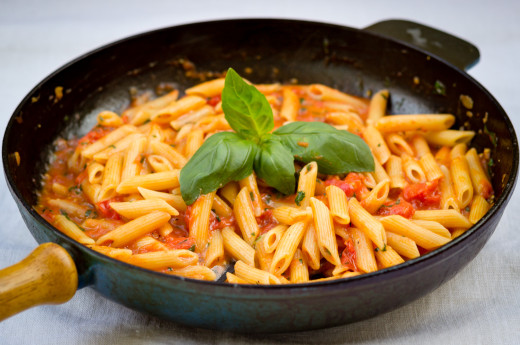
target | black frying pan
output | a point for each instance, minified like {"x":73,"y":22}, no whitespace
{"x":354,"y":61}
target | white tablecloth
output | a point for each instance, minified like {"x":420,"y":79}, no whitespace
{"x":479,"y":306}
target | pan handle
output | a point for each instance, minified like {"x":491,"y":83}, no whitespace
{"x":47,"y":276}
{"x":454,"y":50}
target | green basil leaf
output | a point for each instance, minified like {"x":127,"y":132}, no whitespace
{"x":246,"y":109}
{"x":223,"y":157}
{"x":274,"y":164}
{"x":335,"y":151}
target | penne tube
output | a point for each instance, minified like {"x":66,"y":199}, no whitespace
{"x":140,"y":114}
{"x":155,"y":181}
{"x":420,"y":146}
{"x":380,"y":173}
{"x":109,"y":139}
{"x":398,"y":145}
{"x":91,"y":191}
{"x":377,"y":144}
{"x":415,"y":122}
{"x":365,"y":259}
{"x":326,"y":93}
{"x":194,"y":272}
{"x":207,"y":89}
{"x":254,"y":275}
{"x":229,"y":192}
{"x":286,"y":248}
{"x":134,"y":229}
{"x":111,"y":177}
{"x":271,"y":238}
{"x":376,"y":197}
{"x":168,"y":152}
{"x":388,"y":258}
{"x":430,"y":167}
{"x":95,"y":172}
{"x":109,"y":119}
{"x":174,"y":200}
{"x":221,"y":208}
{"x":461,"y":180}
{"x":165,"y":229}
{"x":263,"y":259}
{"x":245,"y":218}
{"x":338,"y":204}
{"x":377,"y":107}
{"x":192,"y":117}
{"x":443,"y":156}
{"x":394,"y":169}
{"x":299,"y":272}
{"x":307,"y":184}
{"x":149,"y":244}
{"x":215,"y":252}
{"x":403,"y":245}
{"x":70,"y":229}
{"x":361,"y":219}
{"x":178,"y":108}
{"x":449,"y":137}
{"x":481,"y":184}
{"x":67,"y":207}
{"x":433,"y":226}
{"x":325,"y":235}
{"x":448,"y":218}
{"x":178,"y":258}
{"x":237,"y":247}
{"x":194,"y":141}
{"x":479,"y":207}
{"x":290,"y":105}
{"x":310,"y":248}
{"x":448,"y":198}
{"x":131,"y":163}
{"x":402,"y":226}
{"x":233,"y":279}
{"x":412,"y":169}
{"x":199,"y":220}
{"x":254,"y":194}
{"x":457,"y":151}
{"x":136,"y":209}
{"x":290,"y":215}
{"x":117,"y":147}
{"x":116,"y":253}
{"x":159,"y":163}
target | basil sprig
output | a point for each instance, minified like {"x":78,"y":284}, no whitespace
{"x":229,"y":156}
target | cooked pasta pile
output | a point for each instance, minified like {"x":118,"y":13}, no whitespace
{"x":117,"y":190}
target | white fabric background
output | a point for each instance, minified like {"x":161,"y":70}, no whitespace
{"x":479,"y":306}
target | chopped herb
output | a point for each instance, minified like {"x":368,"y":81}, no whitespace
{"x":328,"y":251}
{"x":302,"y":100}
{"x":142,"y":159}
{"x":218,"y":218}
{"x":183,"y":241}
{"x":88,"y":213}
{"x":301,"y":261}
{"x":492,"y":136}
{"x":398,"y":201}
{"x":299,"y":197}
{"x":192,"y":248}
{"x":376,"y":250}
{"x":76,"y":189}
{"x":170,"y":269}
{"x":308,"y":167}
{"x":467,"y":209}
{"x":113,"y":146}
{"x":148,"y":120}
{"x":384,"y":248}
{"x":252,"y":196}
{"x":378,"y":144}
{"x":385,"y":97}
{"x":64,"y":213}
{"x":439,"y":88}
{"x":172,"y":145}
{"x":253,"y":233}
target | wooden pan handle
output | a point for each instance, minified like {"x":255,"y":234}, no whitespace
{"x":47,"y":276}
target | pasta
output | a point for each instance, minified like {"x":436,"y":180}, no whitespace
{"x":118,"y":190}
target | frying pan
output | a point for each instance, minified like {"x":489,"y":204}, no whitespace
{"x":424,"y":76}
